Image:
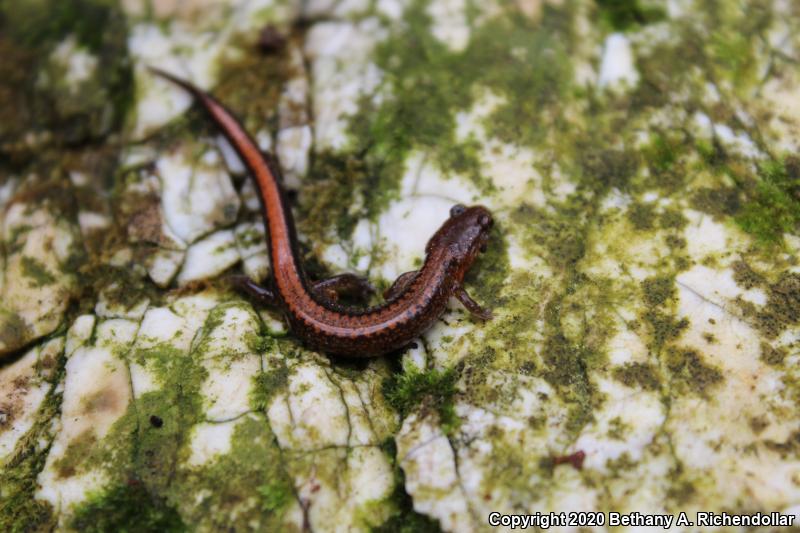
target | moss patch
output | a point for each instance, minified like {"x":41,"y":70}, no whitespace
{"x":658,"y":289}
{"x":782,"y":308}
{"x":690,"y":372}
{"x":642,"y":216}
{"x":340,"y":190}
{"x":603,"y":168}
{"x":745,"y":276}
{"x":19,"y":509}
{"x":430,"y":84}
{"x":643,"y":375}
{"x":772,"y":356}
{"x":432,"y":388}
{"x":33,"y":29}
{"x":568,"y":364}
{"x":36,"y":272}
{"x":560,"y":236}
{"x":783,"y":304}
{"x":250,"y":487}
{"x":267,"y":385}
{"x":127,"y":507}
{"x":719,"y":202}
{"x":488,"y":274}
{"x":14,"y":331}
{"x":621,"y":15}
{"x":774,"y":207}
{"x":664,"y":327}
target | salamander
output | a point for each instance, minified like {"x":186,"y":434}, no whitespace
{"x":313,"y":311}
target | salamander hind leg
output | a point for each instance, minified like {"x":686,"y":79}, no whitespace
{"x":402,"y":282}
{"x":262,"y":295}
{"x":472,"y":306}
{"x":345,"y":285}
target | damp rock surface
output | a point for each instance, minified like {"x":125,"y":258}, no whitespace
{"x":642,"y":164}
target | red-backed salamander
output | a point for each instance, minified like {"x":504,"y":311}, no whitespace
{"x":413,"y":303}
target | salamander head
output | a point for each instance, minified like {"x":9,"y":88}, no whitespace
{"x":463,"y":235}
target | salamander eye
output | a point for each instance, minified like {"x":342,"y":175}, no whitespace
{"x":457,"y":210}
{"x":485,"y":221}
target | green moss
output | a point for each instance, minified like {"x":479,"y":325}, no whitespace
{"x":14,"y":331}
{"x":76,"y":455}
{"x":669,"y":66}
{"x":38,"y":274}
{"x":732,"y":55}
{"x":250,"y":83}
{"x":274,"y":496}
{"x":781,"y":310}
{"x":603,"y":168}
{"x":774,"y":207}
{"x":622,"y":15}
{"x":16,"y":238}
{"x":745,"y":276}
{"x":267,"y":385}
{"x":120,"y":287}
{"x":772,"y":356}
{"x":688,"y":370}
{"x":681,"y":490}
{"x":623,"y":463}
{"x":335,"y":184}
{"x":643,"y":375}
{"x":663,"y":327}
{"x":719,"y":202}
{"x":429,"y":84}
{"x":20,"y":510}
{"x":135,"y":447}
{"x":515,"y":470}
{"x":488,"y":274}
{"x":657,"y":290}
{"x":149,"y":442}
{"x":617,"y":428}
{"x":432,"y":389}
{"x":250,"y":487}
{"x":100,"y":106}
{"x":566,"y":361}
{"x":663,"y":156}
{"x":255,"y":339}
{"x":672,"y":219}
{"x":567,"y":369}
{"x":249,"y":238}
{"x":126,"y":508}
{"x":642,"y":216}
{"x":41,"y":22}
{"x":675,"y":243}
{"x":564,"y":239}
{"x":709,"y":338}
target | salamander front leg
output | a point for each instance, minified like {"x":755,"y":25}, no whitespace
{"x":262,"y":295}
{"x":472,"y":306}
{"x":350,"y":285}
{"x":400,"y":285}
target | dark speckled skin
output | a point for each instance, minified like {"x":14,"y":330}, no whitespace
{"x":324,"y":324}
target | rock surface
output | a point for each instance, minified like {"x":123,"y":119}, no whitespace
{"x":643,"y":166}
